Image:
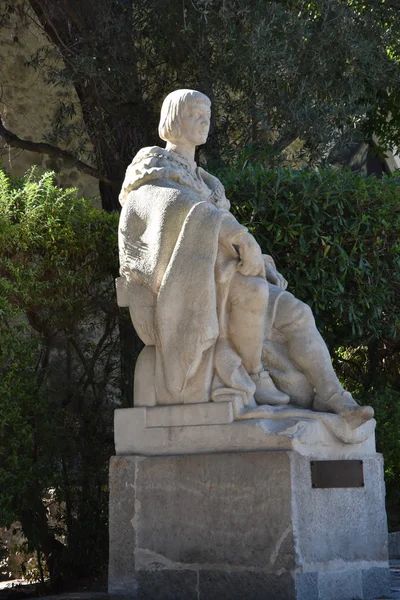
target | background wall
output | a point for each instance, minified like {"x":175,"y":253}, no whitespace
{"x":29,"y":102}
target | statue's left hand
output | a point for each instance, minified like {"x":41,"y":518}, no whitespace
{"x":271,"y":273}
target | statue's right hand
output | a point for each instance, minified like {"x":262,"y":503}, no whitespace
{"x":251,"y":261}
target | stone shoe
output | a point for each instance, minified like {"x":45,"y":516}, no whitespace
{"x":344,"y":405}
{"x":266,"y":392}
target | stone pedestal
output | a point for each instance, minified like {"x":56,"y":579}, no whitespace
{"x":244,"y":525}
{"x":229,"y":426}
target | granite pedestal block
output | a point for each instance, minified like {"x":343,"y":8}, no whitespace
{"x":244,"y":525}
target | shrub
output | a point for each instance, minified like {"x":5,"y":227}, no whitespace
{"x":60,"y":369}
{"x":335,"y":236}
{"x":387,"y":412}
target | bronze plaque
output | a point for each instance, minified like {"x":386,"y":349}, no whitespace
{"x":337,"y":473}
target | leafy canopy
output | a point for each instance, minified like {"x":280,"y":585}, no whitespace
{"x":59,"y":369}
{"x":276,"y":71}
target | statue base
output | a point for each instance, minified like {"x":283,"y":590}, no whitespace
{"x":230,"y":426}
{"x":235,"y":525}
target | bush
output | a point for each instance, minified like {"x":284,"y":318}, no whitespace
{"x":387,"y":413}
{"x":59,"y":361}
{"x":335,"y":236}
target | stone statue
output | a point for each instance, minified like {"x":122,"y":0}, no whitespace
{"x":212,"y":310}
{"x":244,"y":465}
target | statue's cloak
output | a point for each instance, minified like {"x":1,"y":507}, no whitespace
{"x":177,"y":240}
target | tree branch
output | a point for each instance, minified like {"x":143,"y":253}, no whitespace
{"x":43,"y":148}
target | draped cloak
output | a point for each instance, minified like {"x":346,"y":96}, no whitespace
{"x":178,"y":254}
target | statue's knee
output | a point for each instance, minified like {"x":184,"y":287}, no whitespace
{"x":304,"y":313}
{"x":292,"y":311}
{"x":249,"y":291}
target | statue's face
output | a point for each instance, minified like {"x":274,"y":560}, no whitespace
{"x":196,"y":123}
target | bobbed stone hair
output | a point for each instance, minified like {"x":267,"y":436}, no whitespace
{"x":170,"y":127}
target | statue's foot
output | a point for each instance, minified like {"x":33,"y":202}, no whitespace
{"x":266,"y":392}
{"x":344,"y":405}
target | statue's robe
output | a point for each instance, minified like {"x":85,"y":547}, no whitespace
{"x":178,"y":254}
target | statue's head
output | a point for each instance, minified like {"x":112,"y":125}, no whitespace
{"x":185,"y":114}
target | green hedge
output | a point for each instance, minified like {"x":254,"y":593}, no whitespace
{"x":335,"y":236}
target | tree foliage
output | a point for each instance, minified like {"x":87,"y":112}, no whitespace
{"x":387,"y":412}
{"x":335,"y":236}
{"x":59,"y":369}
{"x":275,"y":71}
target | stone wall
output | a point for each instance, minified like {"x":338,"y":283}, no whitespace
{"x":27,"y":102}
{"x":394,"y":545}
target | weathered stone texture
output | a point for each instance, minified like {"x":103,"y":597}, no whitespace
{"x":243,"y":525}
{"x":342,"y":585}
{"x":247,"y":584}
{"x":121,"y":531}
{"x":347,"y":524}
{"x":376,"y":582}
{"x":307,"y":586}
{"x":215,"y":509}
{"x":167,"y":585}
{"x":394,"y":545}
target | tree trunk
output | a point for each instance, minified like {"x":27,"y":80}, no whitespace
{"x":36,"y":529}
{"x":117,"y":118}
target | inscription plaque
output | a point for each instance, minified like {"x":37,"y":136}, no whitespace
{"x":337,"y":473}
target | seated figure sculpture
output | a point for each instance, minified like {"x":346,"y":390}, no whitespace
{"x":212,"y":310}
